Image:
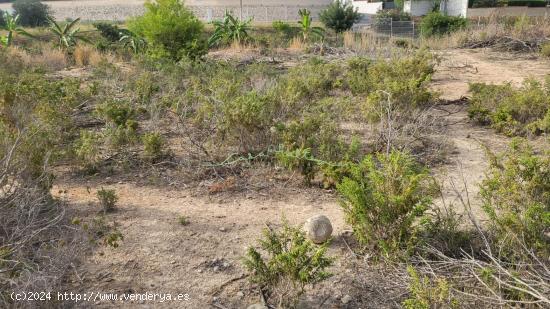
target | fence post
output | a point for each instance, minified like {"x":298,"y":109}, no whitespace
{"x":266,"y":14}
{"x":391,"y":27}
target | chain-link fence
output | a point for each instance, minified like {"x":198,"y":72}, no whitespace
{"x":389,"y":28}
{"x":392,"y":28}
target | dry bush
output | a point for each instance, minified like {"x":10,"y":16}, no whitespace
{"x":37,"y":244}
{"x":522,"y":34}
{"x":297,"y":44}
{"x":85,"y":55}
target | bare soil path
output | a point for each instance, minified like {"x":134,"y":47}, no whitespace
{"x":456,"y":70}
{"x":203,"y":258}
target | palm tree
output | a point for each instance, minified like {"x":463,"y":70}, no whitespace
{"x":12,"y":28}
{"x":67,"y":36}
{"x":307,"y":27}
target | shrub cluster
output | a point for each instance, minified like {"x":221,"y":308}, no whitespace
{"x":437,"y":24}
{"x":516,"y":198}
{"x":512,"y":111}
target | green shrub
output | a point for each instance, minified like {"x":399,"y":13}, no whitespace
{"x":339,"y":16}
{"x":437,"y":24}
{"x":109,"y":31}
{"x":284,"y":28}
{"x":516,"y":198}
{"x":170,"y":29}
{"x":383,"y":197}
{"x":512,"y":111}
{"x":116,"y":112}
{"x":425,"y":293}
{"x":32,"y":13}
{"x":153,"y":145}
{"x":183,"y":220}
{"x":292,"y":263}
{"x":87,"y":149}
{"x":121,"y":126}
{"x":107,"y":199}
{"x":545,"y":50}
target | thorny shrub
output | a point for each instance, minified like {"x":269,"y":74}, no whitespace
{"x":292,"y":263}
{"x":153,"y":145}
{"x":426,"y":293}
{"x":382,"y":199}
{"x":516,"y":198}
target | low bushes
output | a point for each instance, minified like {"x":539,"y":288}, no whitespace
{"x":437,"y":24}
{"x":512,"y":111}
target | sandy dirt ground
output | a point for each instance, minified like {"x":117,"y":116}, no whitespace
{"x":203,"y":258}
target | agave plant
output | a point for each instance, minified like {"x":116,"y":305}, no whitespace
{"x":136,"y":43}
{"x":230,"y":29}
{"x":308,"y":29}
{"x":12,"y":28}
{"x":68,"y":35}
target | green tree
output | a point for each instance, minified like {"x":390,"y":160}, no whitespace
{"x":33,"y":13}
{"x":11,"y":26}
{"x":339,"y":16}
{"x":170,"y":29}
{"x":307,"y":26}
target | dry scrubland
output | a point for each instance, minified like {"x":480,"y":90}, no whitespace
{"x":133,"y":165}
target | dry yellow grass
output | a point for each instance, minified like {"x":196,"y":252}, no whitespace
{"x":49,"y":58}
{"x":85,"y":55}
{"x":297,"y":44}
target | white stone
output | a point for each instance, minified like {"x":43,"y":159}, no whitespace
{"x":318,"y":229}
{"x":346,"y":299}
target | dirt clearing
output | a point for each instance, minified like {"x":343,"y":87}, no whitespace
{"x":203,"y":258}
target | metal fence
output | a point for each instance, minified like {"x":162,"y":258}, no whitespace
{"x":390,"y":28}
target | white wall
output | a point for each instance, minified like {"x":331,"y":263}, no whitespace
{"x":455,"y":7}
{"x":365,"y":7}
{"x":418,"y":7}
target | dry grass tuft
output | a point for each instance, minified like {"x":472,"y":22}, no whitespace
{"x":85,"y":55}
{"x":52,"y":59}
{"x":297,"y":44}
